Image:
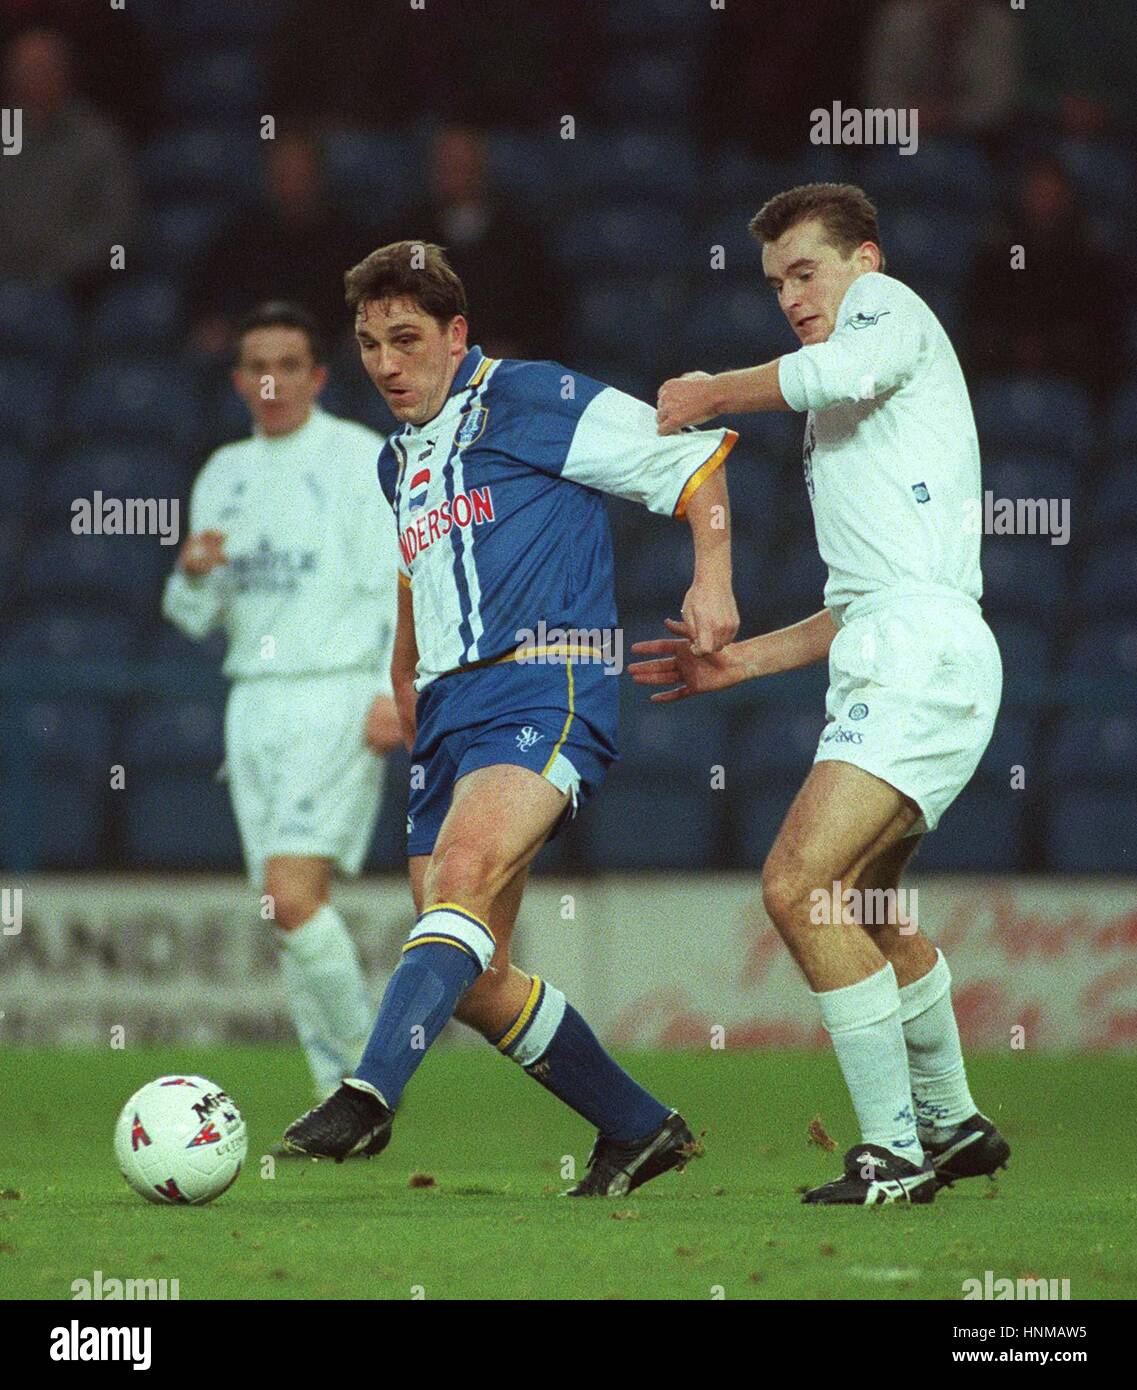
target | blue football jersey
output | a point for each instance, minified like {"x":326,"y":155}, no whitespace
{"x":499,"y":510}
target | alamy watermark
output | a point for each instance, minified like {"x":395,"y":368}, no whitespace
{"x":127,"y":516}
{"x":583,"y":646}
{"x":865,"y":907}
{"x":1026,"y":1287}
{"x":890,"y":125}
{"x":1018,"y":516}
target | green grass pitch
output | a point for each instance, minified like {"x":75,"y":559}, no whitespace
{"x":491,"y":1225}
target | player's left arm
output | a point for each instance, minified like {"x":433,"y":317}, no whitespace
{"x":709,"y":608}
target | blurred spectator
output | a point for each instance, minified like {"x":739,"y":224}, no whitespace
{"x":69,"y":195}
{"x":495,"y":62}
{"x":116,"y":66}
{"x":1081,"y":65}
{"x":1065,"y":312}
{"x":294,"y":246}
{"x":958,"y":61}
{"x":516,"y":298}
{"x":765,"y":72}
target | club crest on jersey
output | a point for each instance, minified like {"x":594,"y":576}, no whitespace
{"x":527,"y":737}
{"x":471,"y":425}
{"x":420,"y":484}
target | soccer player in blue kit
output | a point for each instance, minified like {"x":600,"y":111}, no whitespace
{"x":496,"y":480}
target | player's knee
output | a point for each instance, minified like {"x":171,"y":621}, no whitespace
{"x":464,"y":871}
{"x":293,"y":900}
{"x":783,"y":891}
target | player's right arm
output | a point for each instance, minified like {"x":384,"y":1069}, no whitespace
{"x":404,"y":661}
{"x":674,"y":665}
{"x":192,"y":599}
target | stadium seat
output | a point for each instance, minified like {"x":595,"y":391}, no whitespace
{"x":1115,"y":501}
{"x":980,"y":832}
{"x":168,"y":644}
{"x":36,"y":320}
{"x":940,"y":244}
{"x":214,"y":20}
{"x":1034,"y":413}
{"x":734,"y":176}
{"x":1023,"y":574}
{"x":62,"y":818}
{"x":115,"y":472}
{"x":618,"y":372}
{"x":658,"y":573}
{"x":179,"y":821}
{"x":27,"y":401}
{"x":1093,"y":830}
{"x":68,"y":736}
{"x":799,"y":576}
{"x":949,"y":174}
{"x":741,"y":254}
{"x":181,"y":230}
{"x":1106,"y":648}
{"x":684,"y":740}
{"x":124,"y":571}
{"x":776,"y":742}
{"x":646,"y":822}
{"x":371,"y":167}
{"x":1094,"y":746}
{"x":625,"y":317}
{"x":142,"y":314}
{"x":652,"y":18}
{"x":756,"y":820}
{"x":1122,"y":426}
{"x":628,"y":164}
{"x":630,"y":236}
{"x":737,"y":324}
{"x":1108,"y":579}
{"x":129,"y":400}
{"x":227,"y":82}
{"x":1013,"y":744}
{"x":656,"y":84}
{"x":1027,"y":647}
{"x":69,"y":634}
{"x":1104,"y":172}
{"x":219,"y":161}
{"x":177,"y":734}
{"x":15,"y":489}
{"x":1023,"y":473}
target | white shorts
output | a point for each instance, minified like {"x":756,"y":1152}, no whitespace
{"x":301,"y":777}
{"x":914,"y":688}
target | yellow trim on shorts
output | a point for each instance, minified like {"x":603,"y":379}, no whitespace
{"x":704,"y":470}
{"x":523,"y":1017}
{"x":568,"y":722}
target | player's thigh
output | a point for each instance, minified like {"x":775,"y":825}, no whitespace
{"x":499,"y":818}
{"x":842,"y":819}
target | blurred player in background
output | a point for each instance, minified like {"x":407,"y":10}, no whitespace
{"x":496,"y":479}
{"x":891,"y":467}
{"x":292,"y":553}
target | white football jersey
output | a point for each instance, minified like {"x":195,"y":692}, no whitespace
{"x":311,"y":580}
{"x":891,"y":455}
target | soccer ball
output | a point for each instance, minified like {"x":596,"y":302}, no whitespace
{"x":180,"y":1140}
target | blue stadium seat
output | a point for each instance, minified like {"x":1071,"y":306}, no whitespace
{"x":737,"y":324}
{"x":1034,"y":413}
{"x":69,"y":634}
{"x":214,"y":20}
{"x":735,"y":176}
{"x":741,"y":254}
{"x":15,"y":490}
{"x":939,"y":243}
{"x":142,"y":314}
{"x":368,"y":164}
{"x":1108,"y":579}
{"x":630,"y":163}
{"x":1122,"y":426}
{"x":682,"y":741}
{"x":63,"y":819}
{"x":980,"y":832}
{"x":1027,"y":647}
{"x":182,"y":230}
{"x":525,"y":167}
{"x":177,"y":734}
{"x":799,"y":576}
{"x":653,"y":18}
{"x":639,"y":237}
{"x":949,"y":174}
{"x":169,"y":644}
{"x":1024,"y":473}
{"x":180,"y":821}
{"x":1093,"y":830}
{"x":777,"y":743}
{"x":625,"y":318}
{"x":115,"y":472}
{"x":1013,"y":744}
{"x":227,"y":82}
{"x":121,"y":570}
{"x":27,"y":401}
{"x":758,"y":818}
{"x":1115,"y":500}
{"x":1104,"y":171}
{"x":36,"y":320}
{"x":1023,"y":574}
{"x":654,"y":84}
{"x":649,"y":823}
{"x":72,"y":737}
{"x":220,"y":161}
{"x":1099,"y":747}
{"x":1104,"y":649}
{"x":129,"y":399}
{"x":619,"y":373}
{"x":943,"y":299}
{"x":658,"y":574}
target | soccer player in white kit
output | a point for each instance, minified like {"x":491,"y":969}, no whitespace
{"x":891,"y":462}
{"x":293,"y":553}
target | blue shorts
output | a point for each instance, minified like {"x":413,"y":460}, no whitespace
{"x":560,"y":720}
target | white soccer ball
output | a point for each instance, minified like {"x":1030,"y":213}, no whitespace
{"x":180,"y":1140}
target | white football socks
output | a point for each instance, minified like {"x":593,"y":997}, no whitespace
{"x":864,"y":1022}
{"x":935,"y":1060}
{"x":326,"y":994}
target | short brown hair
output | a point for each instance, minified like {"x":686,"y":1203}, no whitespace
{"x":844,"y":210}
{"x":415,"y":270}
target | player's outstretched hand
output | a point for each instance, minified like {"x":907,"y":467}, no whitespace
{"x":383,"y":731}
{"x":684,"y":400}
{"x":676,"y":665}
{"x":202,"y":553}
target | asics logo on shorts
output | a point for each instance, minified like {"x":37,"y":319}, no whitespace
{"x":527,"y":737}
{"x":842,"y":735}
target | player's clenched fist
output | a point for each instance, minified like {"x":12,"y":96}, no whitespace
{"x":675,"y":664}
{"x":685,"y":400}
{"x":202,"y":553}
